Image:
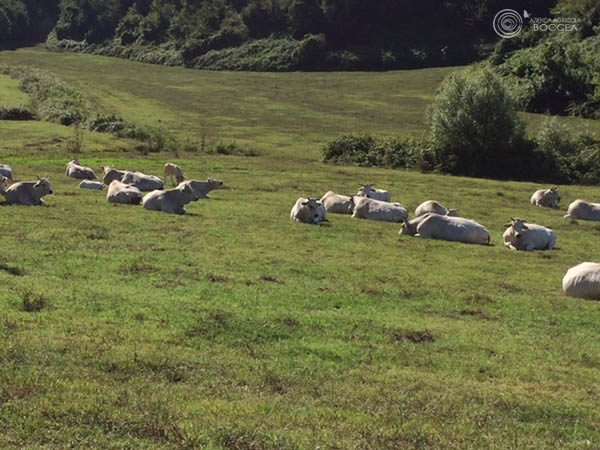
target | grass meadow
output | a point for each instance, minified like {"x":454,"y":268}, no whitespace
{"x":233,"y":327}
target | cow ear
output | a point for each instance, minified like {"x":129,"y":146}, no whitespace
{"x":506,"y":225}
{"x":305,"y":203}
{"x":525,"y":227}
{"x":38,"y":177}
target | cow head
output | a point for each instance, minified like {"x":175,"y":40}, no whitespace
{"x":316,"y":211}
{"x":214,"y":184}
{"x":42,"y":187}
{"x":518,"y":226}
{"x":188,"y":193}
{"x":552,"y":193}
{"x":365,"y":190}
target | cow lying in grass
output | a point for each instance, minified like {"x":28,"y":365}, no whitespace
{"x":142,"y":181}
{"x":368,"y":208}
{"x":434,"y":207}
{"x":119,"y":192}
{"x":337,"y":204}
{"x":6,"y":171}
{"x":27,"y":193}
{"x":447,"y":228}
{"x":583,"y":281}
{"x":547,"y":198}
{"x":376,"y":194}
{"x":528,"y":236}
{"x":204,"y":187}
{"x":580,"y":209}
{"x":308,"y":210}
{"x":111,"y":175}
{"x":170,"y":201}
{"x":76,"y":170}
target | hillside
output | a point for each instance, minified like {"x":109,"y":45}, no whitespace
{"x":233,"y":327}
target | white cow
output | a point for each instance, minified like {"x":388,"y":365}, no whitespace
{"x":170,"y":201}
{"x":204,"y":187}
{"x":119,"y":192}
{"x":142,"y":181}
{"x":548,"y":198}
{"x":173,"y":171}
{"x":368,"y":208}
{"x":6,"y":171}
{"x":583,"y":281}
{"x":376,"y":194}
{"x":528,"y":236}
{"x":447,"y":228}
{"x":87,"y":184}
{"x":308,"y":210}
{"x":76,"y":170}
{"x":28,"y":193}
{"x":431,"y":206}
{"x":580,"y":209}
{"x":111,"y":175}
{"x":337,"y":204}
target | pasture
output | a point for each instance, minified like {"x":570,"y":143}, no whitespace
{"x":233,"y":327}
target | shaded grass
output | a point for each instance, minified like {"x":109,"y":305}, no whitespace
{"x":233,"y":327}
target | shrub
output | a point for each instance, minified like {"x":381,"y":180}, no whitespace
{"x":568,"y":157}
{"x":233,"y":149}
{"x":474,"y":124}
{"x":365,"y":150}
{"x":15,"y":113}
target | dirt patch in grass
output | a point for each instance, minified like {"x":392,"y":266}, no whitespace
{"x":270,"y":279}
{"x":372,"y":292}
{"x":417,"y":337}
{"x":474,"y":313}
{"x":138,"y":269}
{"x":214,"y":278}
{"x":32,"y":302}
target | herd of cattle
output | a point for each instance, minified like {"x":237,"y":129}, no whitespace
{"x":434,"y":221}
{"x":431,"y":220}
{"x":123,"y":187}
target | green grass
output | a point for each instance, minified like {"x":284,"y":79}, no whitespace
{"x":234,"y":328}
{"x":10,"y":95}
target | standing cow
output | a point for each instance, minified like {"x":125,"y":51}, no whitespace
{"x":528,"y":236}
{"x":308,"y":210}
{"x":28,"y":193}
{"x":171,"y":172}
{"x":547,"y":198}
{"x":76,"y":170}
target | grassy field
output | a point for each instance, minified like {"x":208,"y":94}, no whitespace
{"x":234,"y":328}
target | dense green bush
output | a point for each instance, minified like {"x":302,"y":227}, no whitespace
{"x":15,"y":113}
{"x":365,"y":150}
{"x":474,"y":125}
